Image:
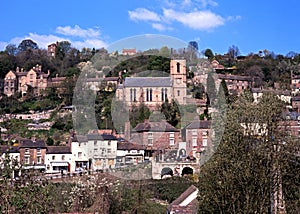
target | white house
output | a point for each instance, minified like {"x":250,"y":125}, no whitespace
{"x":58,"y":158}
{"x":129,"y":153}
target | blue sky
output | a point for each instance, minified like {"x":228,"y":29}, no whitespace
{"x":216,"y":24}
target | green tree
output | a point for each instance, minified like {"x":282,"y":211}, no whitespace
{"x":248,"y":169}
{"x":209,"y":54}
{"x":27,"y":44}
{"x":171,"y":112}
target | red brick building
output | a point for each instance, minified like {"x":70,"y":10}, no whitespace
{"x":196,"y":135}
{"x":32,"y":154}
{"x":156,"y":135}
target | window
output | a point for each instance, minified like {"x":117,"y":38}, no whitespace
{"x":63,"y":157}
{"x":134,"y":95}
{"x":178,"y":93}
{"x":150,"y":95}
{"x":194,"y":132}
{"x":150,"y":138}
{"x":147,"y":94}
{"x":163,"y":94}
{"x":95,"y":143}
{"x":79,"y":154}
{"x":109,"y":143}
{"x":204,"y":142}
{"x":26,"y":159}
{"x":172,"y":142}
{"x":131,"y":94}
{"x":108,"y":150}
{"x":178,"y":67}
{"x":38,"y":151}
{"x":39,"y":159}
{"x":53,"y":157}
{"x":194,"y":141}
{"x":26,"y":151}
{"x":31,"y":76}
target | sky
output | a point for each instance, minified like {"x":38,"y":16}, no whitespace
{"x":250,"y":25}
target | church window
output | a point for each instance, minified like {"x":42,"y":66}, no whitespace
{"x":178,"y":67}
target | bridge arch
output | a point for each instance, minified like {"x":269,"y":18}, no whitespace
{"x":187,"y":171}
{"x":166,"y":172}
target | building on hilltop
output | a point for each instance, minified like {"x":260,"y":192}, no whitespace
{"x":129,"y":52}
{"x":153,"y":91}
{"x":52,"y":49}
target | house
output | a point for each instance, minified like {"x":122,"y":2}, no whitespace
{"x":197,"y":136}
{"x":103,"y":151}
{"x":129,"y":52}
{"x":58,"y":158}
{"x":129,"y":153}
{"x":155,"y":135}
{"x":52,"y":49}
{"x":295,"y":84}
{"x":236,"y":84}
{"x":81,"y":152}
{"x":153,"y":91}
{"x":186,"y":203}
{"x":33,"y":81}
{"x":33,"y":154}
{"x":14,"y":156}
{"x":296,"y":103}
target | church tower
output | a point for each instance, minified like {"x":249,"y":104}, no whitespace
{"x":178,"y":77}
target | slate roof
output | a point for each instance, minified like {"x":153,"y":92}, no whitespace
{"x":101,"y":137}
{"x":125,"y":145}
{"x":32,"y":144}
{"x":162,"y":126}
{"x":199,"y":124}
{"x":58,"y":150}
{"x":10,"y":149}
{"x":296,"y":98}
{"x":190,"y":208}
{"x":148,"y":82}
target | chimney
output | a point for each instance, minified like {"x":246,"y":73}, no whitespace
{"x":127,"y":130}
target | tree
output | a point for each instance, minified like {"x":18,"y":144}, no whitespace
{"x":138,"y":114}
{"x":249,"y":167}
{"x":62,"y":49}
{"x":27,"y":44}
{"x":164,"y":51}
{"x":11,"y":49}
{"x":171,"y":112}
{"x":257,"y":75}
{"x":233,"y":52}
{"x":209,"y":54}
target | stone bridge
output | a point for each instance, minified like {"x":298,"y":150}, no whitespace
{"x":163,"y":169}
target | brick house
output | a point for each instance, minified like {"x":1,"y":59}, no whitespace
{"x":32,"y":154}
{"x":52,"y":49}
{"x":197,"y":136}
{"x":236,"y":84}
{"x":156,"y":135}
{"x":21,"y":81}
{"x":129,"y":52}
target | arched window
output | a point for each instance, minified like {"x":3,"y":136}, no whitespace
{"x":147,"y":94}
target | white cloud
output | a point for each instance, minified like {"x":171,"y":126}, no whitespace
{"x":198,"y":20}
{"x":142,"y":14}
{"x":77,"y":36}
{"x":77,"y":31}
{"x":3,"y":45}
{"x":160,"y":27}
{"x":89,"y":43}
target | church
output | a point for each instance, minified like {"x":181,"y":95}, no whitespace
{"x":153,"y":91}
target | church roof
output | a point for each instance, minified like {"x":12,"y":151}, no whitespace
{"x":148,"y":82}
